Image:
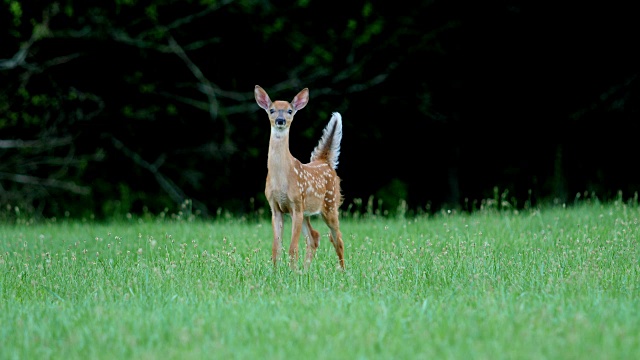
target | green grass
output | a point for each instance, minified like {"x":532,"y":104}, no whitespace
{"x":556,"y":283}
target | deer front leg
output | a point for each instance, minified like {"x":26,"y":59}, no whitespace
{"x":277,"y":224}
{"x":312,"y":238}
{"x":297,"y":217}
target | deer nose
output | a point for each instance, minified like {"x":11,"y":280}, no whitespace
{"x":280,"y":121}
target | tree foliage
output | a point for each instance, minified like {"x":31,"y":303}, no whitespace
{"x":115,"y":107}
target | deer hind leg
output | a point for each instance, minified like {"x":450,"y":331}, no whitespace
{"x":276,"y":224}
{"x":313,"y":239}
{"x":331,"y":219}
{"x":297,"y":218}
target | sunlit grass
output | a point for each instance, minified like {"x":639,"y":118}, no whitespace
{"x":551,"y":283}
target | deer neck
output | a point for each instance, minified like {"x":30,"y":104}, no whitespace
{"x":279,"y":161}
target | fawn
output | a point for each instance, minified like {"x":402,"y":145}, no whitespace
{"x":301,"y":190}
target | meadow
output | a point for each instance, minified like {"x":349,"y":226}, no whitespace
{"x":559,"y":282}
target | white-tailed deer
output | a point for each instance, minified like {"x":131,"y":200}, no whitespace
{"x":301,"y":190}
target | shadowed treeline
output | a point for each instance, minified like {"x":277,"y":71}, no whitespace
{"x":114,"y":107}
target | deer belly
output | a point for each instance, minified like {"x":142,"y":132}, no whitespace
{"x":312,"y":202}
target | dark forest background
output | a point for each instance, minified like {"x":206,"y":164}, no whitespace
{"x":115,"y":107}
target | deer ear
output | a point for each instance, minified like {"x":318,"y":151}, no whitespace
{"x":262,"y":98}
{"x":300,"y":100}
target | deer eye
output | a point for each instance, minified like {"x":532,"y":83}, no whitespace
{"x":290,"y":111}
{"x":271,"y":111}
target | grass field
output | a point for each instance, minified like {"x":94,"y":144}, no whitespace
{"x":552,"y":283}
